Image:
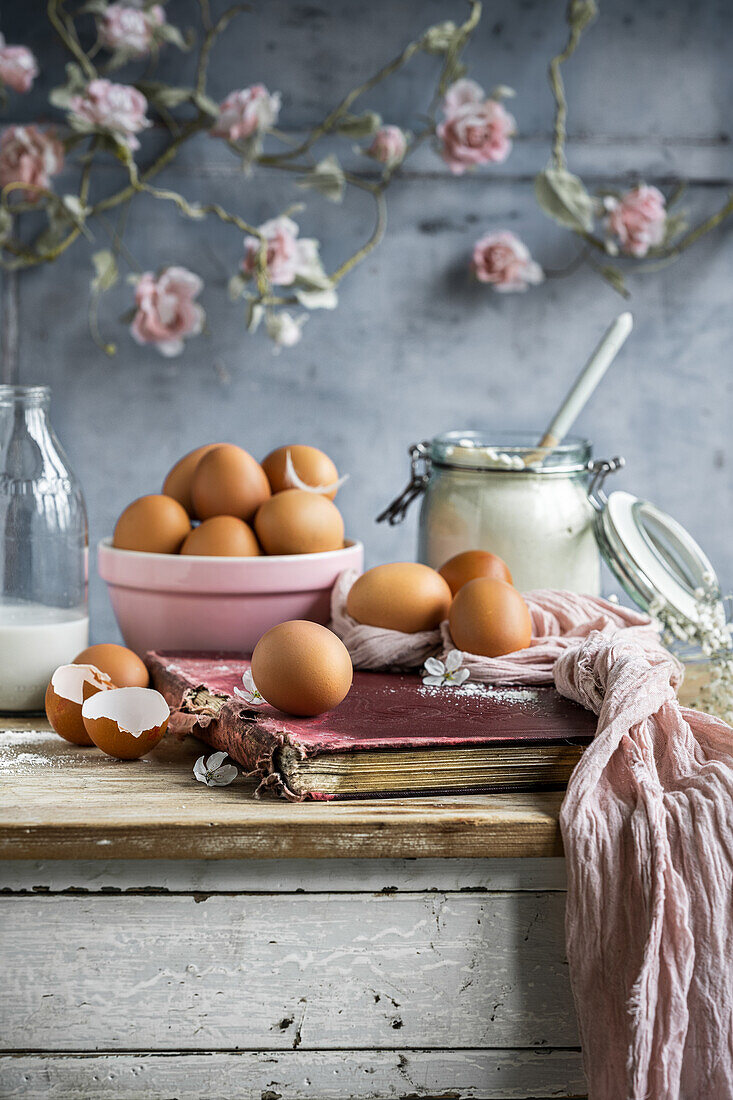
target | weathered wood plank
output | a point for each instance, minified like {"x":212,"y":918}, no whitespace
{"x":61,"y":801}
{"x":260,"y":972}
{"x":301,"y":1075}
{"x":282,"y":876}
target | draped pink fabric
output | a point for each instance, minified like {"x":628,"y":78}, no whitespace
{"x":647,"y":825}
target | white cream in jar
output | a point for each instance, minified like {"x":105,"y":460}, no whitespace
{"x":528,"y":505}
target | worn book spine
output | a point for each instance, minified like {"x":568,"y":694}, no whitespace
{"x":218,"y":720}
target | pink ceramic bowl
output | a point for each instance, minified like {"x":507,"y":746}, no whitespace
{"x":169,"y":601}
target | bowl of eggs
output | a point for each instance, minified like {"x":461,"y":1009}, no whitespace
{"x":230,"y":548}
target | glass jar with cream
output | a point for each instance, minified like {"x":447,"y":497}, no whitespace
{"x":503,"y":493}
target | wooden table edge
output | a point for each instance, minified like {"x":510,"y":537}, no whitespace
{"x":475,"y":840}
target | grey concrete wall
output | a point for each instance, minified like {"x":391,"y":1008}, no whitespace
{"x":414,"y":347}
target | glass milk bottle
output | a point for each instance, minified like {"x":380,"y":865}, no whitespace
{"x":44,"y":620}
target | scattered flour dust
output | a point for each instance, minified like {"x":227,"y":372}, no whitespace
{"x":12,"y":740}
{"x":471,"y":690}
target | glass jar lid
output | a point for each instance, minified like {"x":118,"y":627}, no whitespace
{"x":657,"y":562}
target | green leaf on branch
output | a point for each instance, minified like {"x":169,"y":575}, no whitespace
{"x":206,"y":104}
{"x":164,"y":94}
{"x":564,"y":198}
{"x":359,"y":126}
{"x":75,"y":84}
{"x":317,"y":299}
{"x":6,"y":224}
{"x":255,"y":314}
{"x":327,"y":178}
{"x":614,"y":278}
{"x":106,"y":272}
{"x":674,"y":226}
{"x":167,"y":32}
{"x":72,"y":206}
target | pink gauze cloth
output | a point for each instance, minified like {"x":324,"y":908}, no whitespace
{"x":647,"y":826}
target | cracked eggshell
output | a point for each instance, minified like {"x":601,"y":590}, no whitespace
{"x":123,"y":666}
{"x":69,"y":687}
{"x":312,"y":466}
{"x":298,"y":522}
{"x":228,"y":481}
{"x":126,"y":722}
{"x":178,"y":479}
{"x":155,"y":524}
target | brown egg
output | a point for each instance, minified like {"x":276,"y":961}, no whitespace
{"x":302,"y":668}
{"x":228,"y":482}
{"x":178,"y":480}
{"x":471,"y":564}
{"x":126,"y":722}
{"x":490,"y":618}
{"x":222,"y":537}
{"x":400,"y":596}
{"x":68,"y":689}
{"x":298,"y":522}
{"x":156,"y":524}
{"x":124,"y":667}
{"x":312,"y":466}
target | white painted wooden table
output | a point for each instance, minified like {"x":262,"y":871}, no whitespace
{"x":162,"y":939}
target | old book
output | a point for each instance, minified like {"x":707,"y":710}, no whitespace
{"x":391,"y":736}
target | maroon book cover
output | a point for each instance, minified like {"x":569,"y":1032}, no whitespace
{"x":383,"y":711}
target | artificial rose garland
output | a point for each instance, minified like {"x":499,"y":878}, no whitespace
{"x":246,"y":112}
{"x":129,"y":30}
{"x":32,"y":156}
{"x":287,"y":255}
{"x":18,"y":67}
{"x":280,"y":269}
{"x":638,"y":219}
{"x":116,"y":109}
{"x":502,"y":260}
{"x":476,"y":129}
{"x":166,"y":312}
{"x":388,"y":146}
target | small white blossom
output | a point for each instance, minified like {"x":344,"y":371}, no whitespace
{"x":214,"y":772}
{"x":445,"y":674}
{"x":283,"y":329}
{"x":250,"y":694}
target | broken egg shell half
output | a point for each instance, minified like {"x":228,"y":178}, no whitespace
{"x":126,"y":722}
{"x":69,"y":688}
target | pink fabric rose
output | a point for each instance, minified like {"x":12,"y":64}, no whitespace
{"x":118,"y":108}
{"x":18,"y":67}
{"x":637,"y":219}
{"x":476,"y":130}
{"x":247,"y":112}
{"x":388,"y":146}
{"x":504,"y":261}
{"x":166,"y":310}
{"x":129,"y":29}
{"x":287,"y":257}
{"x":29,"y":155}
